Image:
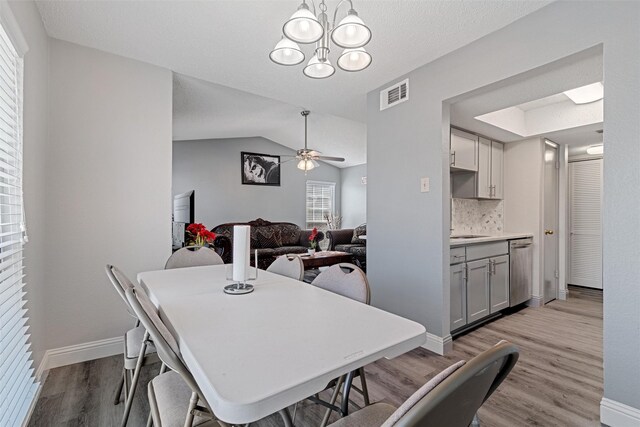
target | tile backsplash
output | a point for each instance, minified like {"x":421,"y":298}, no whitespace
{"x":470,"y":216}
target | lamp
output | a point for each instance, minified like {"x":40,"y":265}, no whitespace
{"x":286,"y":52}
{"x":354,"y":59}
{"x":307,"y":164}
{"x":306,"y":27}
{"x":303,"y":26}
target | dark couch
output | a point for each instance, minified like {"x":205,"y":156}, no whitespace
{"x":347,"y":240}
{"x":271,"y":239}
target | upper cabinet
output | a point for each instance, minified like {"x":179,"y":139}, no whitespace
{"x":486,"y":181}
{"x":463,"y":151}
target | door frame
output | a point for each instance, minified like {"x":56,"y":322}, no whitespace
{"x":548,"y":142}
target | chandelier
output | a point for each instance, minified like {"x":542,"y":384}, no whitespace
{"x":306,"y":27}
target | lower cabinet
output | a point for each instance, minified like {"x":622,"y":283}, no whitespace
{"x":477,"y":290}
{"x":499,"y":272}
{"x":458,"y":289}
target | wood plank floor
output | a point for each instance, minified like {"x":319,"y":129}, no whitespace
{"x":557,"y":381}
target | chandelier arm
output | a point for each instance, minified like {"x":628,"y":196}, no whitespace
{"x":335,"y":13}
{"x":314,"y":7}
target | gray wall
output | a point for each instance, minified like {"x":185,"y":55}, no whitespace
{"x":354,"y":196}
{"x":108,"y":189}
{"x":36,"y":91}
{"x":411,"y":140}
{"x":212,"y":168}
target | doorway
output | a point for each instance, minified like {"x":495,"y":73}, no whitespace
{"x":550,"y":218}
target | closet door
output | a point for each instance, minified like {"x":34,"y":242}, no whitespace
{"x":585,"y":217}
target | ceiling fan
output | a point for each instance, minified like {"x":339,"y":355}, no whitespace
{"x":307,"y":157}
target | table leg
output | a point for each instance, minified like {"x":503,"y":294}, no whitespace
{"x":344,"y":406}
{"x":284,"y":413}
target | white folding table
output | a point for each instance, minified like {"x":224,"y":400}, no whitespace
{"x":254,"y":355}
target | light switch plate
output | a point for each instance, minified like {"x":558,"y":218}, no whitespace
{"x":424,"y":185}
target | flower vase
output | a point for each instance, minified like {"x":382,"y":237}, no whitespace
{"x":311,"y":251}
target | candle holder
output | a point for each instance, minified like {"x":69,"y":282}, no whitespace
{"x":238,"y":288}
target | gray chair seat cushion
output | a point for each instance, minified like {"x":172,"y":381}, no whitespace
{"x":371,"y":416}
{"x":348,"y":247}
{"x":169,"y":399}
{"x":289,"y":250}
{"x":133,"y":344}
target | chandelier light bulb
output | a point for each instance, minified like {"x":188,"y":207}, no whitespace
{"x":351,"y":32}
{"x":317,"y":69}
{"x":306,"y":165}
{"x":303,"y":26}
{"x":286,"y":52}
{"x":354,"y":59}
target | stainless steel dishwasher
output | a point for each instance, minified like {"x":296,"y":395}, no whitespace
{"x":520,"y":270}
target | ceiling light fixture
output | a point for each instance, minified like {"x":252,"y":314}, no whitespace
{"x":586,"y":94}
{"x":595,"y":149}
{"x":307,"y":27}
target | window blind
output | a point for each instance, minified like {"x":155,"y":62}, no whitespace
{"x":320,"y":202}
{"x":17,"y":384}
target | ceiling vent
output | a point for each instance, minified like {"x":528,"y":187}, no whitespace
{"x":394,"y":95}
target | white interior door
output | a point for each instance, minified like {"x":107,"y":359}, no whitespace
{"x":550,"y":223}
{"x":585,"y":223}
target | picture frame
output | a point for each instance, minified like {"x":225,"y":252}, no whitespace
{"x":259,"y":169}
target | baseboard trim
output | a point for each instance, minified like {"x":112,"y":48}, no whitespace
{"x":78,"y":353}
{"x":437,"y":344}
{"x":562,"y":294}
{"x":616,"y":414}
{"x":535,"y":301}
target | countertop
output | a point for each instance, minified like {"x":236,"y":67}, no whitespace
{"x":492,"y":238}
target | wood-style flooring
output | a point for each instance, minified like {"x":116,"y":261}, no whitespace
{"x":557,"y":381}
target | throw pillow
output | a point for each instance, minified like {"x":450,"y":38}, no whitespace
{"x":269,"y":238}
{"x":357,"y":232}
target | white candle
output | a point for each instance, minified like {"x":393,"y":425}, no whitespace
{"x":241,"y":256}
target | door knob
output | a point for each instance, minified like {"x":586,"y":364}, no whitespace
{"x":548,"y":232}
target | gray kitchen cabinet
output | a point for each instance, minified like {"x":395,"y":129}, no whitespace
{"x":484,"y":190}
{"x":478,"y":290}
{"x":487,"y":181}
{"x":497,"y":170}
{"x":499,"y":280}
{"x":458,"y":289}
{"x":463,"y":151}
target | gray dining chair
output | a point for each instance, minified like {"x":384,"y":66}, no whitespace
{"x":138,"y":350}
{"x":452,"y":398}
{"x":290,"y":266}
{"x":193,"y":256}
{"x":175,"y":399}
{"x":349,"y":281}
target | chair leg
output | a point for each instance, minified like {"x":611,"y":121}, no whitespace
{"x":163,"y":369}
{"x":334,"y":397}
{"x":134,"y":379}
{"x":365,"y":391}
{"x":188,"y":422}
{"x":116,"y":398}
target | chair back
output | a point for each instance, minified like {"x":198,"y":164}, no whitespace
{"x":291,"y":267}
{"x":455,"y":400}
{"x":165,"y":343}
{"x":345,"y":279}
{"x":193,"y":256}
{"x":121,"y":283}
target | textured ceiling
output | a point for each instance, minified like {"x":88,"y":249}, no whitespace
{"x":227,"y":42}
{"x":203,"y":110}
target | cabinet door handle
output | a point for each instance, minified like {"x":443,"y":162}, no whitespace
{"x":453,"y":158}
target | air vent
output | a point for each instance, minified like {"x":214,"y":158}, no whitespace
{"x":599,"y":131}
{"x":394,"y":95}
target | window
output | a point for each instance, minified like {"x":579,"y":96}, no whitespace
{"x":17,"y":386}
{"x":320,"y":202}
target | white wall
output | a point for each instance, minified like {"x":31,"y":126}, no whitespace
{"x":212,"y":168}
{"x":418,"y":130}
{"x":354,"y":196}
{"x":108,"y":188}
{"x":36,"y":74}
{"x":523,"y":196}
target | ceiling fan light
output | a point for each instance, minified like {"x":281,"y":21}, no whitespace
{"x":317,"y":69}
{"x":303,"y":26}
{"x":354,"y":59}
{"x":351,"y":32}
{"x":286,"y":52}
{"x":307,"y":164}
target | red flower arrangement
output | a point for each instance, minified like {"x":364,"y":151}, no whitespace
{"x":312,"y":238}
{"x":199,"y":234}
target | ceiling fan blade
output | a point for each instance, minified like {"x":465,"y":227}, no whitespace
{"x":314,"y":153}
{"x":332,"y":159}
